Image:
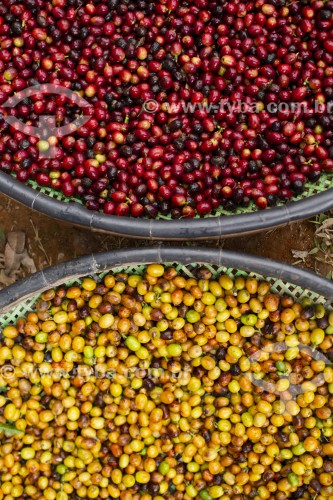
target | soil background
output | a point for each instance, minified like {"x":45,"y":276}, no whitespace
{"x":50,"y":242}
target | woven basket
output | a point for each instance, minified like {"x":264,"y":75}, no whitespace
{"x":316,"y":198}
{"x":20,"y":298}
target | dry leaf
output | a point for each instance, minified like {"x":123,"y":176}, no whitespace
{"x":300,"y":254}
{"x":15,"y":262}
{"x":16,"y":240}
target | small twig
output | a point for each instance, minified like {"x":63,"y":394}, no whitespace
{"x":39,"y":242}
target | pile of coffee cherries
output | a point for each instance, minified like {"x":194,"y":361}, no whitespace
{"x":165,"y":386}
{"x":193,"y":107}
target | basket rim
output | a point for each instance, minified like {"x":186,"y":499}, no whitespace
{"x":94,"y":264}
{"x":173,"y":230}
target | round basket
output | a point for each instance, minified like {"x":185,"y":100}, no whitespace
{"x":317,"y":198}
{"x":20,"y":298}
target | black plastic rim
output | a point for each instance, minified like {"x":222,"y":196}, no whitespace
{"x":173,"y":230}
{"x":97,"y":263}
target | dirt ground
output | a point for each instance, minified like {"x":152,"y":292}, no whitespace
{"x":49,"y":242}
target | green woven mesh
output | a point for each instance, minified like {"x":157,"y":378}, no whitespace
{"x":311,"y":188}
{"x":278,"y":286}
